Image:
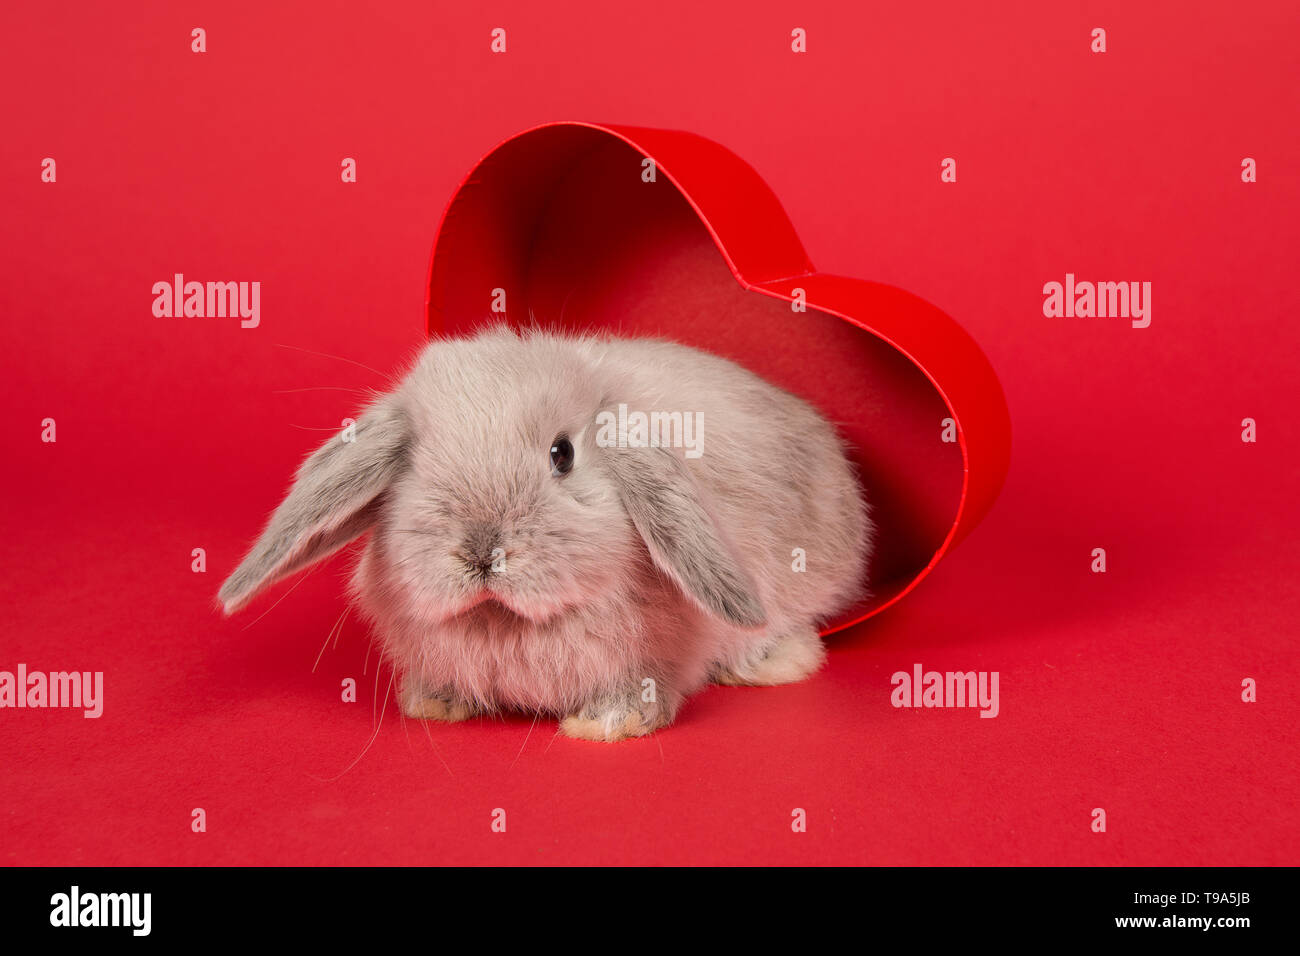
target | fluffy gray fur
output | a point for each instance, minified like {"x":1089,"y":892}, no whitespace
{"x":626,"y":584}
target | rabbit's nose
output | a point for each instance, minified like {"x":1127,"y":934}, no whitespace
{"x":481,"y":547}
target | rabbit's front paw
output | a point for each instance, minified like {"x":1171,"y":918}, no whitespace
{"x":615,"y":717}
{"x":423,"y":704}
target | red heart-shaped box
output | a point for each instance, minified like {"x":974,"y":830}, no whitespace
{"x":662,"y":232}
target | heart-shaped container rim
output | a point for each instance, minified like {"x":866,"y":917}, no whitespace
{"x":498,"y":232}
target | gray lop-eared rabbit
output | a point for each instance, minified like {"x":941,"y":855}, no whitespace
{"x":519,"y":559}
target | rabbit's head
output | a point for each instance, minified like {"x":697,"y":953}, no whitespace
{"x":484,"y":480}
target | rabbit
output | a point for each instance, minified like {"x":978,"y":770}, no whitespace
{"x":522,"y":558}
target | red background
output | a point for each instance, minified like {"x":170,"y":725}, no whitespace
{"x":1119,"y":691}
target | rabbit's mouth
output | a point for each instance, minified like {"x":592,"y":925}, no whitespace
{"x":484,"y":603}
{"x":480,"y":597}
{"x":503,"y":610}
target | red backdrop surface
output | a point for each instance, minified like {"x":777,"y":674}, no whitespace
{"x":1119,"y":691}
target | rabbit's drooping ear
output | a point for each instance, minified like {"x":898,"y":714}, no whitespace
{"x":664,"y":504}
{"x":331,"y":502}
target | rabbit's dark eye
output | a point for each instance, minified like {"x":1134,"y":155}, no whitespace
{"x":561,"y":455}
